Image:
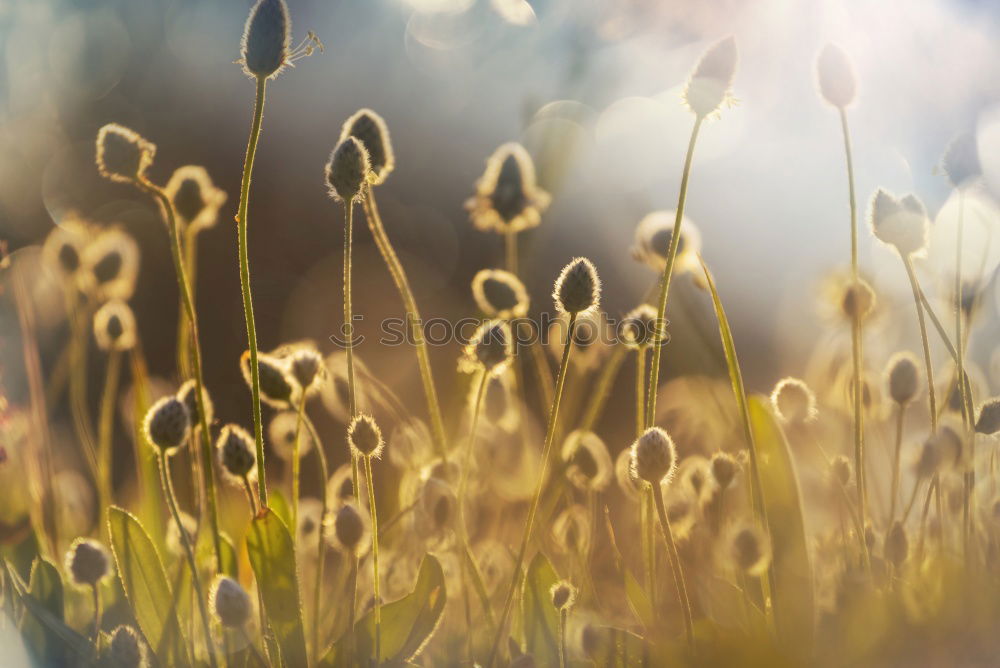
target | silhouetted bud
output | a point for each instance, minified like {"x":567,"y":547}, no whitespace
{"x":87,"y":562}
{"x":903,"y":377}
{"x":167,"y":424}
{"x":267,"y":39}
{"x":708,"y":86}
{"x":654,"y":456}
{"x":365,"y":436}
{"x":371,"y":130}
{"x":230,"y":602}
{"x":500,"y":294}
{"x":563,"y":595}
{"x":836,"y":76}
{"x":122,"y":154}
{"x":578,"y":288}
{"x":793,"y":401}
{"x":348,"y":170}
{"x":237,"y":453}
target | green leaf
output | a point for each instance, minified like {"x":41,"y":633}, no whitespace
{"x":541,"y":619}
{"x":272,"y":556}
{"x":46,"y":587}
{"x":407,"y":624}
{"x":276,"y":502}
{"x":791,"y":580}
{"x":146,"y":587}
{"x":41,"y":612}
{"x":638,"y":600}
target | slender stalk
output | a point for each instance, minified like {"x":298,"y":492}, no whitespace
{"x":96,"y":590}
{"x":352,"y":395}
{"x":106,"y":426}
{"x":928,"y":364}
{"x":184,"y":287}
{"x":241,"y":222}
{"x":250,"y":499}
{"x":352,"y":613}
{"x":648,"y":545}
{"x":640,"y":390}
{"x":413,"y":317}
{"x":510,"y":250}
{"x":668,"y":270}
{"x":168,"y":493}
{"x":562,"y":639}
{"x":675,"y":563}
{"x":599,"y":396}
{"x":856,"y":332}
{"x":321,"y":547}
{"x":296,"y":461}
{"x":533,"y":509}
{"x":378,"y":601}
{"x":900,"y":413}
{"x":183,"y":328}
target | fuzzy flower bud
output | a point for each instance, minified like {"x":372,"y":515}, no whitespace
{"x":167,"y":424}
{"x":903,"y":377}
{"x":371,"y":130}
{"x":87,"y":562}
{"x":350,"y":530}
{"x":122,"y":154}
{"x":230,"y":602}
{"x":266,"y":39}
{"x":114,"y":326}
{"x":724,"y":469}
{"x":187,"y":396}
{"x":500,"y":294}
{"x":563,"y":595}
{"x":858,"y":300}
{"x":307,"y":369}
{"x":961,"y":160}
{"x":126,"y":650}
{"x":708,"y":86}
{"x":236,"y":453}
{"x":365,"y":436}
{"x":638,"y":328}
{"x":275,"y":384}
{"x":490,"y":348}
{"x":578,"y":288}
{"x":507,"y":198}
{"x":837,"y":84}
{"x":793,"y":401}
{"x":899,"y":223}
{"x":348,"y":170}
{"x":750,"y":550}
{"x":988,"y":422}
{"x":654,"y":457}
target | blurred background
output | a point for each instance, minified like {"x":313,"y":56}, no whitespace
{"x":591,"y":87}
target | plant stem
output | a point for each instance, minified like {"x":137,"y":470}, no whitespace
{"x":95,"y":588}
{"x":184,"y":287}
{"x":510,"y":250}
{"x":562,"y":638}
{"x":462,"y":489}
{"x":668,"y":269}
{"x":168,"y":492}
{"x":378,"y":601}
{"x":599,"y":397}
{"x":640,"y":390}
{"x":106,"y":426}
{"x":856,"y":333}
{"x":352,"y":396}
{"x":296,"y":464}
{"x":253,"y":502}
{"x":413,"y":318}
{"x":533,"y":509}
{"x":900,"y":413}
{"x":928,"y":364}
{"x":241,"y":222}
{"x":352,"y":613}
{"x":675,"y":563}
{"x":183,"y":331}
{"x":321,"y":547}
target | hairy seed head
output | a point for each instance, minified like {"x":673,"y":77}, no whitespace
{"x":563,"y":595}
{"x":236,"y":452}
{"x":230,"y":602}
{"x":654,"y":457}
{"x":988,"y":420}
{"x":307,"y":369}
{"x":639,"y":327}
{"x":267,"y":39}
{"x":122,"y":154}
{"x":491,"y":348}
{"x":274,"y":376}
{"x":708,"y":86}
{"x":724,"y":469}
{"x":365,"y":436}
{"x":350,"y":530}
{"x":588,"y":462}
{"x":371,"y":130}
{"x":903,"y":377}
{"x":87,"y":562}
{"x":578,"y":288}
{"x":187,"y":396}
{"x":507,"y":197}
{"x":126,"y":649}
{"x":167,"y":424}
{"x":348,"y":170}
{"x":858,"y":300}
{"x":195,"y":198}
{"x":899,"y":223}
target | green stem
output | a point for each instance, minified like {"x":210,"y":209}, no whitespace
{"x":900,"y":412}
{"x":928,"y":364}
{"x":675,"y":563}
{"x":378,"y":601}
{"x":183,"y":329}
{"x":321,"y":547}
{"x":546,"y":453}
{"x":184,"y":287}
{"x":352,"y":396}
{"x":95,"y":588}
{"x":296,"y":464}
{"x":241,"y":222}
{"x":967,"y":418}
{"x":640,"y":390}
{"x":106,"y":426}
{"x":562,"y":639}
{"x":168,"y":492}
{"x":668,"y":270}
{"x":413,"y":318}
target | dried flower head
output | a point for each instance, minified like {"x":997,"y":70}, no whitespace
{"x":563,"y":595}
{"x":167,"y":424}
{"x":639,"y":327}
{"x":348,"y":170}
{"x":87,"y":562}
{"x":351,"y":530}
{"x":186,"y":394}
{"x":793,"y":401}
{"x":64,"y":246}
{"x":281,"y":432}
{"x":275,"y":379}
{"x":899,"y":223}
{"x":654,"y":457}
{"x":195,"y":198}
{"x":578,"y":288}
{"x":837,"y":83}
{"x":903,"y":377}
{"x":750,"y":550}
{"x":122,"y":154}
{"x":507,"y":198}
{"x":365,"y":436}
{"x":961,"y":160}
{"x":709,"y":85}
{"x":652,"y":239}
{"x":237,"y":453}
{"x":724,"y":469}
{"x":114,"y":326}
{"x":371,"y":130}
{"x":110,"y":265}
{"x":897,"y":546}
{"x":490,"y":349}
{"x":307,"y":369}
{"x":988,"y":417}
{"x":588,"y":463}
{"x":126,"y":649}
{"x":500,"y":294}
{"x":230,"y":603}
